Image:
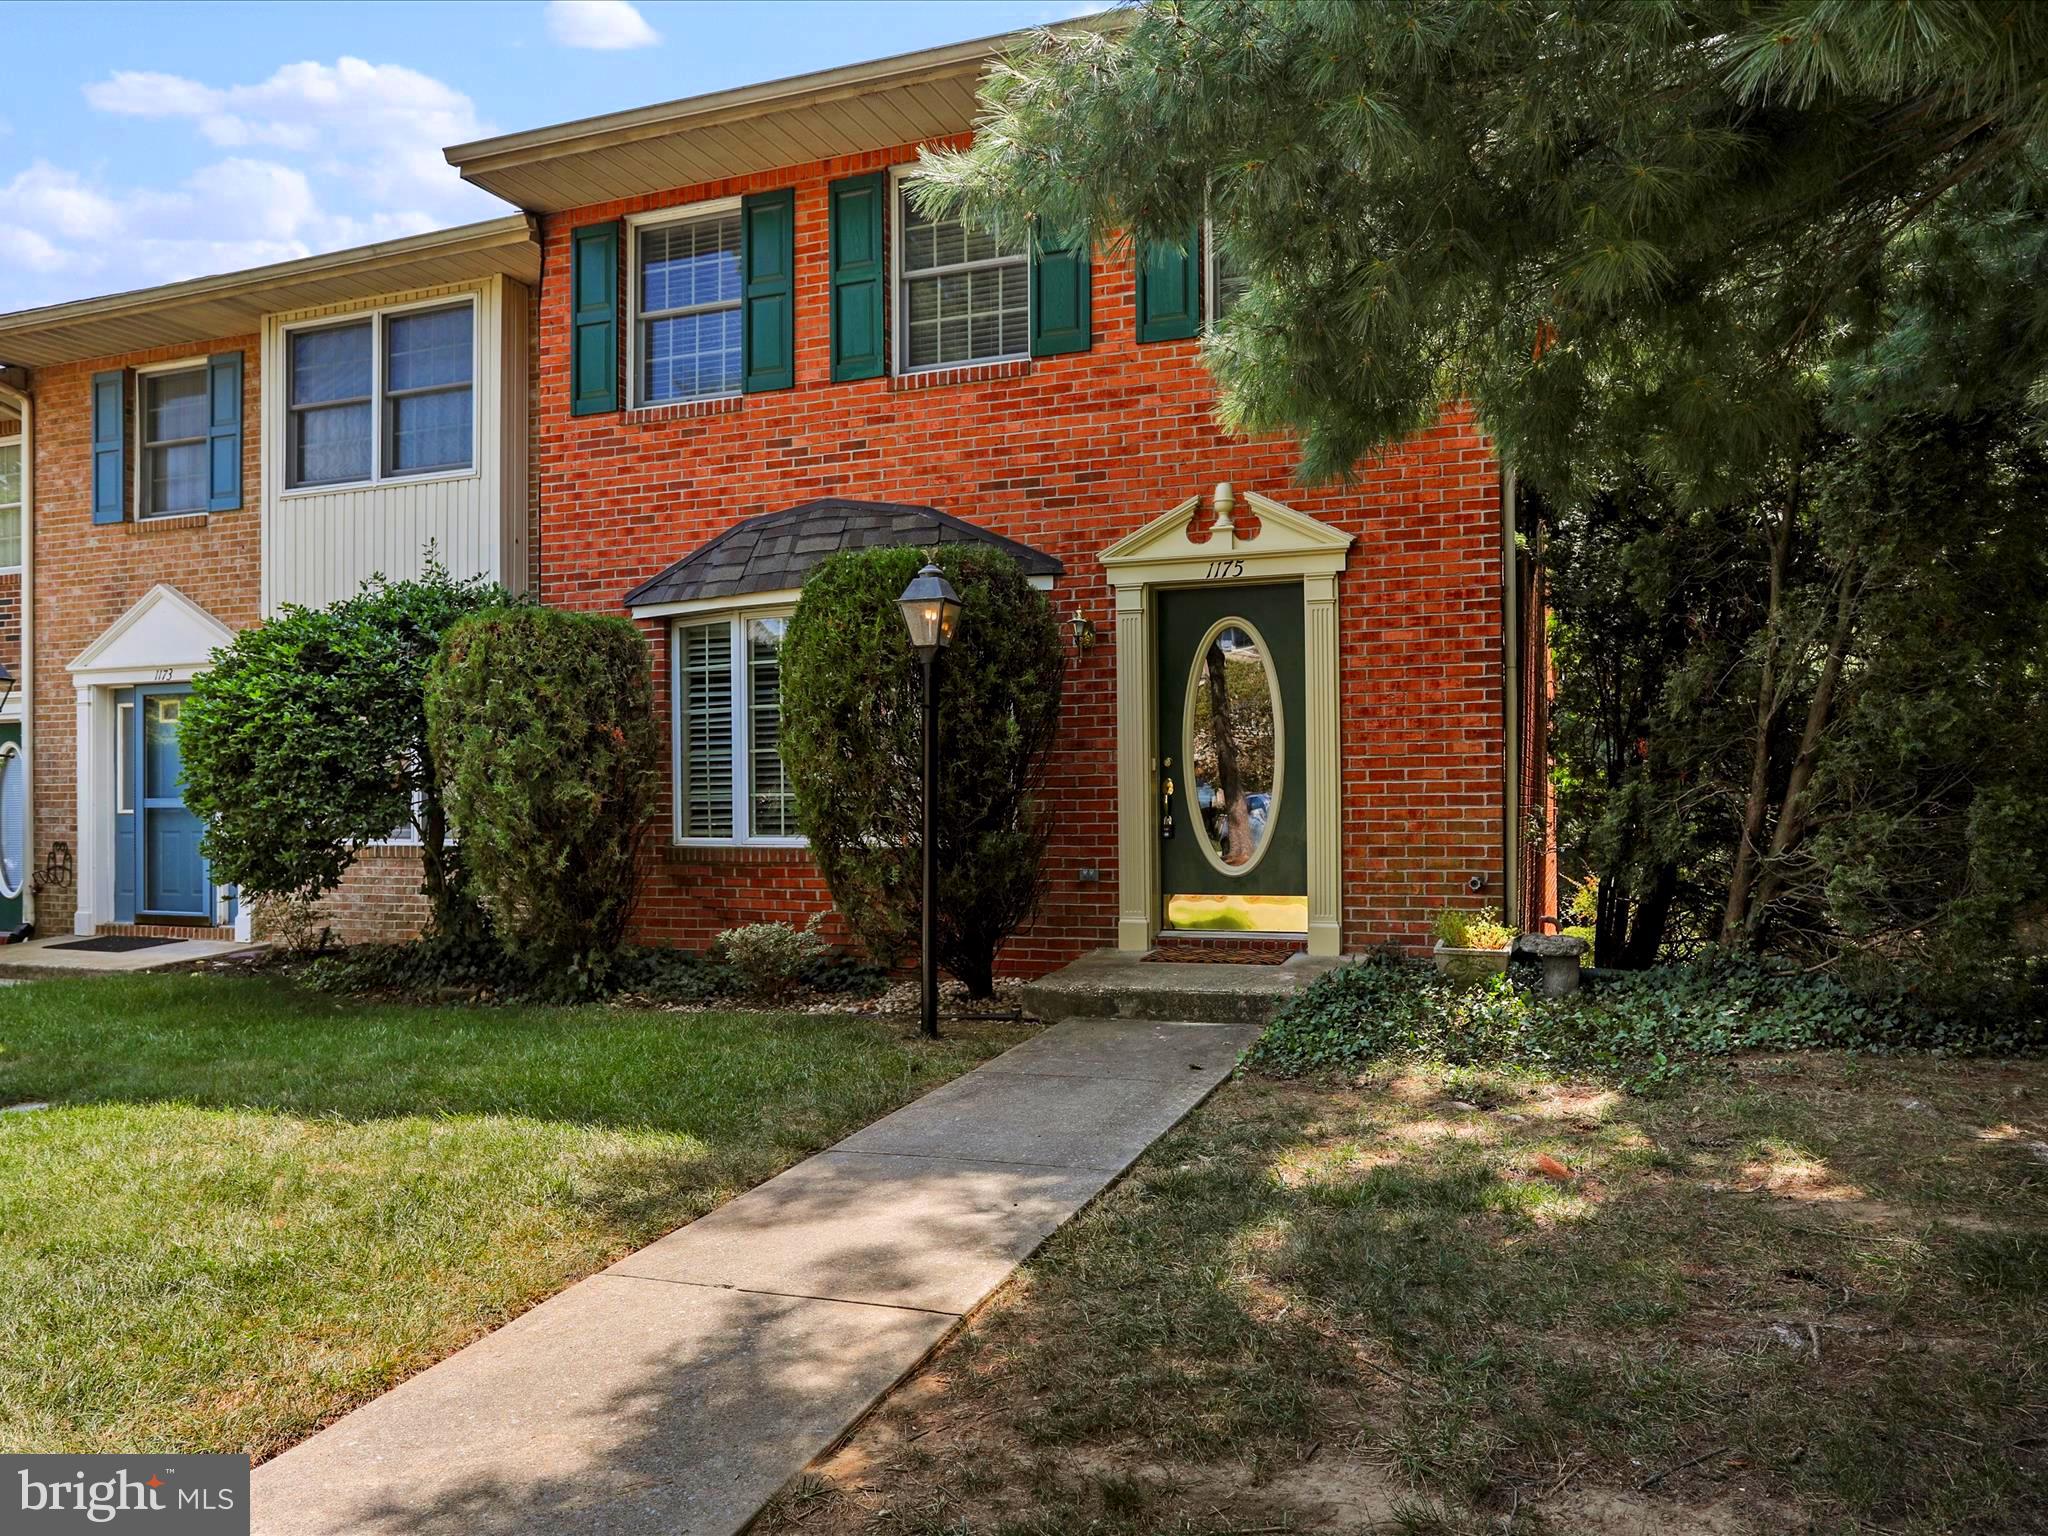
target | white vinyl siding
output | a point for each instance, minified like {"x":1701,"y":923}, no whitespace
{"x":729,"y":780}
{"x":963,"y":293}
{"x":173,"y":420}
{"x":321,"y":542}
{"x":10,"y":505}
{"x":686,"y":308}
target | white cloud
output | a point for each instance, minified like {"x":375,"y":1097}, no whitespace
{"x":602,"y":24}
{"x":316,"y":158}
{"x":381,"y":126}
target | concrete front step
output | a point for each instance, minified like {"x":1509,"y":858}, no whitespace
{"x":1110,"y":984}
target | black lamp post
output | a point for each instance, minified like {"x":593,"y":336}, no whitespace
{"x":931,"y":611}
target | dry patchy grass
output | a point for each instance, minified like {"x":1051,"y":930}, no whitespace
{"x":1808,"y":1298}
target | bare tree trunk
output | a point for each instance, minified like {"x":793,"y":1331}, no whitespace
{"x":1652,"y":917}
{"x":1735,"y":916}
{"x":1819,"y":712}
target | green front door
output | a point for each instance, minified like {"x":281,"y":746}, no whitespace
{"x":1234,"y":818}
{"x":13,"y":826}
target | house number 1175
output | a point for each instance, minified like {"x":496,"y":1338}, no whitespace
{"x":1224,"y":570}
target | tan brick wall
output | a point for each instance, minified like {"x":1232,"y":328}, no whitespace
{"x":88,"y":575}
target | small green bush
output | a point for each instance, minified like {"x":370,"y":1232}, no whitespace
{"x":770,"y":960}
{"x":1481,"y":929}
{"x":542,"y":725}
{"x":1641,"y":1028}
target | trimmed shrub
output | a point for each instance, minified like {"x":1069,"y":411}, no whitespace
{"x":770,"y":960}
{"x":542,"y":726}
{"x":307,"y":740}
{"x":851,"y":740}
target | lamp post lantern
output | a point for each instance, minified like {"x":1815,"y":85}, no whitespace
{"x":931,"y":612}
{"x":6,"y":684}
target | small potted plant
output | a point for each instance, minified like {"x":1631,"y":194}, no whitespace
{"x":1471,"y":945}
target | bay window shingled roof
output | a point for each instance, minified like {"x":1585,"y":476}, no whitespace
{"x":775,"y":551}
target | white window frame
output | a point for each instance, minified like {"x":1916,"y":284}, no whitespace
{"x":142,"y":377}
{"x":654,"y":219}
{"x":11,"y":751}
{"x":1209,"y":311}
{"x":378,"y":401}
{"x":898,"y":280}
{"x":780,"y":606}
{"x":20,"y":507}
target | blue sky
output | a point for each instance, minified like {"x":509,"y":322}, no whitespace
{"x":142,"y":143}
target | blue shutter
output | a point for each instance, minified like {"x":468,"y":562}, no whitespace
{"x":1170,"y":289}
{"x":768,"y":273}
{"x":594,"y":320}
{"x":856,"y":205}
{"x":109,"y":444}
{"x":224,"y":432}
{"x":1060,"y":314}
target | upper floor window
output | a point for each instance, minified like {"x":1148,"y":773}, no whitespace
{"x":174,"y":451}
{"x":1228,"y":280}
{"x":10,"y":505}
{"x":384,"y":397}
{"x":686,"y":288}
{"x":964,"y":293}
{"x":730,"y":783}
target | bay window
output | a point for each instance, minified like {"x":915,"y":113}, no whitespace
{"x":729,"y":781}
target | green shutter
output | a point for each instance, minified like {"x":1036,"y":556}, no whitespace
{"x":1060,"y":312}
{"x":1170,"y":290}
{"x":224,"y":432}
{"x":109,"y":439}
{"x":768,"y":275}
{"x":857,"y":275}
{"x":594,"y":319}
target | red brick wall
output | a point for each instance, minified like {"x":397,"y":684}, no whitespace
{"x":87,"y":575}
{"x":10,"y":586}
{"x":1069,"y":454}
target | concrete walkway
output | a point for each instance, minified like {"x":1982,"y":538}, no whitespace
{"x":677,"y":1391}
{"x":55,"y":957}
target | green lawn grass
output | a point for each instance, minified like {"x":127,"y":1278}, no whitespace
{"x":1811,"y":1297}
{"x":252,"y":1207}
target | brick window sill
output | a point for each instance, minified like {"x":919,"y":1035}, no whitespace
{"x":969,"y":373}
{"x":734,"y":853}
{"x":148,"y":525}
{"x":683,"y":410}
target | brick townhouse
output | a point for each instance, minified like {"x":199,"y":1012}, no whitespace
{"x":753,"y":349}
{"x":184,"y":460}
{"x":735,"y":345}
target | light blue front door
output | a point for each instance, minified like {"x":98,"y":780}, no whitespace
{"x":172,"y":878}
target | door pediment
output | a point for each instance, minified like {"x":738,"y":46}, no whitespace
{"x":164,"y":632}
{"x":1288,"y":543}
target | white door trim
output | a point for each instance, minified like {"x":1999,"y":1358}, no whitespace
{"x":1173,"y":551}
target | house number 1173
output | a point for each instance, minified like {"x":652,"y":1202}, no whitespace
{"x":1224,"y":570}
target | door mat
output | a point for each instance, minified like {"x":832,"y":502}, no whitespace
{"x":115,"y":943}
{"x":1211,"y":952}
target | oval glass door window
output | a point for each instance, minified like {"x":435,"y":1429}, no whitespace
{"x":1233,"y":745}
{"x":13,"y":821}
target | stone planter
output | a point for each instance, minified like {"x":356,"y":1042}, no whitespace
{"x":1468,"y":964}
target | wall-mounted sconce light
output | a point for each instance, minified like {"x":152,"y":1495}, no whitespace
{"x":1084,"y":630}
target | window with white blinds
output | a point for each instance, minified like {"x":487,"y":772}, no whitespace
{"x":10,"y":505}
{"x":730,"y":785}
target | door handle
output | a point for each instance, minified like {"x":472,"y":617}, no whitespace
{"x":1166,"y":801}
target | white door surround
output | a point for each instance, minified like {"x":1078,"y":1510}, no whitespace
{"x":164,"y":638}
{"x":1170,"y":551}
